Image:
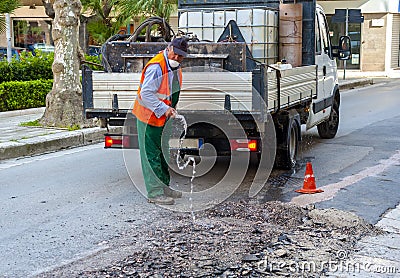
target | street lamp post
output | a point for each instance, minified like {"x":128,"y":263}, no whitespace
{"x":8,"y":36}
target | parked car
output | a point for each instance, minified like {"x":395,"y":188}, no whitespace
{"x":94,"y":50}
{"x":15,"y":51}
{"x":43,"y":47}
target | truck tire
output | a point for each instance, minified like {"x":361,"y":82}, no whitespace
{"x":329,"y":128}
{"x":286,"y":153}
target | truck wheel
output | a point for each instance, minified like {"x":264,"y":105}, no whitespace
{"x":328,"y":129}
{"x":286,"y":153}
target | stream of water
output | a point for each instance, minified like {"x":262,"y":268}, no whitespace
{"x":182,"y":164}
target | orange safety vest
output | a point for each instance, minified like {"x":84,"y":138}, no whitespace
{"x":143,"y":113}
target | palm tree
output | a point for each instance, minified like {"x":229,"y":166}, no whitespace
{"x":7,"y":6}
{"x":100,"y":23}
{"x":131,"y":9}
{"x":95,"y":19}
{"x":145,"y":8}
{"x":109,"y":15}
{"x":103,"y":18}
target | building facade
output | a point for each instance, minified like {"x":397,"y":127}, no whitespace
{"x":30,"y":26}
{"x":375,"y":42}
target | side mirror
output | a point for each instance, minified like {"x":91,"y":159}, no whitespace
{"x":344,"y":48}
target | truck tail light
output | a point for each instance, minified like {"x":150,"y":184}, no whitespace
{"x":116,"y":141}
{"x":113,"y":141}
{"x":252,"y":145}
{"x":119,"y":141}
{"x":108,"y":142}
{"x":244,"y":145}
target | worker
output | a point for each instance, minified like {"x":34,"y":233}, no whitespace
{"x":157,"y":97}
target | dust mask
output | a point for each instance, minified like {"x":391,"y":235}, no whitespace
{"x":173,"y":63}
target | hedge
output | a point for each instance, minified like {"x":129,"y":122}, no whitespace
{"x":25,"y":83}
{"x":34,"y":67}
{"x":16,"y":95}
{"x":29,"y":67}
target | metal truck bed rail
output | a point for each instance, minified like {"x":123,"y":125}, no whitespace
{"x":115,"y":93}
{"x":292,"y":85}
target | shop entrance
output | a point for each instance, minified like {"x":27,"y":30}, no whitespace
{"x":339,"y":29}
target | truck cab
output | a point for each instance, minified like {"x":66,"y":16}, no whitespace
{"x":325,"y":107}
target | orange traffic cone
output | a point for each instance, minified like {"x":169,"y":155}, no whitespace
{"x":309,"y":186}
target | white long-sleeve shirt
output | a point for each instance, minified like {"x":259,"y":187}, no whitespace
{"x":151,"y":84}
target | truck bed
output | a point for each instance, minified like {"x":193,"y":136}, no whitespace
{"x":114,"y":93}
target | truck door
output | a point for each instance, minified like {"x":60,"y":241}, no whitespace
{"x":326,"y":71}
{"x":329,"y":66}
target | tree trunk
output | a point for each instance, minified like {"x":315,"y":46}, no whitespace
{"x":64,"y":102}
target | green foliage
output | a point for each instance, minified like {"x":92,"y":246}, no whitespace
{"x":31,"y":67}
{"x":7,"y":6}
{"x":25,"y":83}
{"x":94,"y":59}
{"x":74,"y":127}
{"x":22,"y":26}
{"x":101,"y":8}
{"x":100,"y":32}
{"x":6,"y":72}
{"x":16,"y":95}
{"x":31,"y":123}
{"x":28,"y":68}
{"x":101,"y":23}
{"x":145,"y":8}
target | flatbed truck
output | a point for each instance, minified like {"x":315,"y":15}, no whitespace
{"x":236,"y":86}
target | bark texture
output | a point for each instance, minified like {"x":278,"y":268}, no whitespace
{"x":64,"y":102}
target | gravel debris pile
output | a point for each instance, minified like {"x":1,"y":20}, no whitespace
{"x":242,"y":239}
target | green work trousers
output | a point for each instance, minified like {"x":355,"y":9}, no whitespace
{"x":154,"y":167}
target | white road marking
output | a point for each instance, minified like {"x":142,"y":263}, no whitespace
{"x":6,"y":164}
{"x":81,"y":256}
{"x":331,"y":190}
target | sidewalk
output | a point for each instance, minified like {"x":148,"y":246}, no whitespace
{"x":376,"y":256}
{"x":18,"y":141}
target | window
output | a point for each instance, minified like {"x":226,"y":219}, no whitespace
{"x":317,"y":38}
{"x":324,"y":33}
{"x":29,"y":33}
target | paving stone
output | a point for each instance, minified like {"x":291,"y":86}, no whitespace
{"x":384,"y":247}
{"x":389,"y":225}
{"x":394,"y":214}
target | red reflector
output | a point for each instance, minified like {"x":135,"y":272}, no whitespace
{"x":117,"y":142}
{"x":237,"y":144}
{"x":110,"y":142}
{"x":252,"y":145}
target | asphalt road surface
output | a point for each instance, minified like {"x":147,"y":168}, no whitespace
{"x":59,"y":207}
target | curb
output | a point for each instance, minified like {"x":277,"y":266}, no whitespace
{"x":351,"y":84}
{"x":29,"y":111}
{"x":52,"y":142}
